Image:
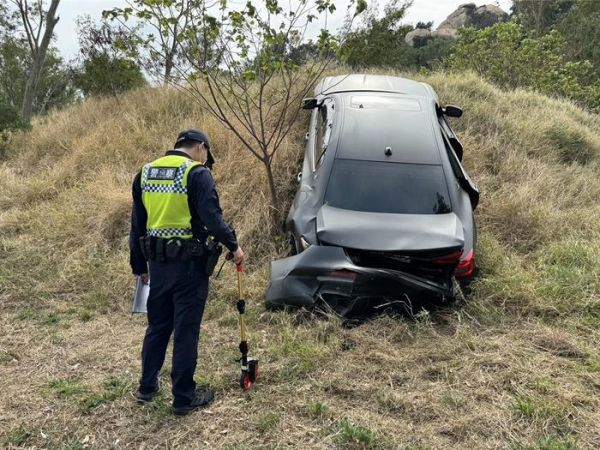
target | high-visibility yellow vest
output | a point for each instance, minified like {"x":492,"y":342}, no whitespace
{"x":164,"y":195}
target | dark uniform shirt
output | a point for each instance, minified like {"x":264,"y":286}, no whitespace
{"x":203,"y":201}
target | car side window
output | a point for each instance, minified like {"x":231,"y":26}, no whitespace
{"x":323,"y":131}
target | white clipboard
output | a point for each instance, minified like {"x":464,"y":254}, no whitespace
{"x":140,"y":297}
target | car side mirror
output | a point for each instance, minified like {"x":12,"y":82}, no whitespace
{"x":299,"y":177}
{"x":452,"y":111}
{"x":309,"y":103}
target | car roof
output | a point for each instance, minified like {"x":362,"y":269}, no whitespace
{"x":376,"y":83}
{"x":373,"y":122}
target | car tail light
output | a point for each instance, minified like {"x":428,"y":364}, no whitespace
{"x":466,"y":266}
{"x":346,"y":274}
{"x":448,"y":260}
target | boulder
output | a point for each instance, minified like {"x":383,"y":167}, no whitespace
{"x":459,"y":18}
{"x":416,"y":34}
{"x":488,"y":15}
{"x":467,"y":14}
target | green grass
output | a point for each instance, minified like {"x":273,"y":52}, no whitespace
{"x":592,"y":363}
{"x":27,"y":314}
{"x":572,"y":145}
{"x":569,"y":270}
{"x":70,"y":443}
{"x":17,"y":437}
{"x":113,"y":388}
{"x":555,"y":443}
{"x":254,"y":446}
{"x":549,"y":443}
{"x":65,"y":387}
{"x":318,"y":410}
{"x":159,"y":408}
{"x":301,"y":349}
{"x":524,"y":406}
{"x":543,"y":412}
{"x":85,"y":315}
{"x":268,"y":422}
{"x":390,"y":400}
{"x":51,"y":319}
{"x":351,"y":435}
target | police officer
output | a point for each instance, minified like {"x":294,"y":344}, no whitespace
{"x":176,"y":226}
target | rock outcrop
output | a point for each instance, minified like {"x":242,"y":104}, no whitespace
{"x":465,"y":15}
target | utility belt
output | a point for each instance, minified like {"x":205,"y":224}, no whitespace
{"x":176,"y":249}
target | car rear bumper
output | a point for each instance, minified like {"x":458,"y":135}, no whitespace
{"x":326,"y":272}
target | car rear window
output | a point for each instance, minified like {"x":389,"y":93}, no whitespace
{"x":388,"y":187}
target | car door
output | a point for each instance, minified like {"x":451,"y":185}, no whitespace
{"x":451,"y":137}
{"x":317,"y":140}
{"x":459,"y":171}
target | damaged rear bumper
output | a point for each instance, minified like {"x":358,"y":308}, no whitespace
{"x":326,"y":272}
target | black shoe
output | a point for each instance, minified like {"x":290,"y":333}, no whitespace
{"x":200,"y":400}
{"x":145,"y":398}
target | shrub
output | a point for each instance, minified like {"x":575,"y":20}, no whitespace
{"x":506,"y":55}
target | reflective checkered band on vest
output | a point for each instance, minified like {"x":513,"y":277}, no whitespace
{"x":176,"y":188}
{"x":170,"y":232}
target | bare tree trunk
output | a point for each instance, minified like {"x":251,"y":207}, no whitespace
{"x":168,"y":69}
{"x":274,"y":203}
{"x":39,"y":57}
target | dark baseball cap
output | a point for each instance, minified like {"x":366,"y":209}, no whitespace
{"x":198,"y":136}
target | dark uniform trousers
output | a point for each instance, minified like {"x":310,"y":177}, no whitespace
{"x":178,"y":291}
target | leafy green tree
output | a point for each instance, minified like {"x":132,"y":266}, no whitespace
{"x":424,"y":25}
{"x":379,"y":41}
{"x":102,"y":75}
{"x":539,"y":16}
{"x":506,"y":55}
{"x":36,"y":27}
{"x":581,"y":28}
{"x":159,"y":27}
{"x":107,"y":61}
{"x":9,"y":109}
{"x":241,"y":63}
{"x":54,"y":87}
{"x":433,"y":54}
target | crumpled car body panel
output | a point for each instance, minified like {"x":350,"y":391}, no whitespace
{"x":322,"y":271}
{"x":388,"y":232}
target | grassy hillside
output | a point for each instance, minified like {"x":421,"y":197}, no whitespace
{"x":516,"y":366}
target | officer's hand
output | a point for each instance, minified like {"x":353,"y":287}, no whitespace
{"x":145,"y":278}
{"x":238,"y":256}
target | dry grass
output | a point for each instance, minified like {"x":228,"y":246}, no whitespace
{"x":516,"y":367}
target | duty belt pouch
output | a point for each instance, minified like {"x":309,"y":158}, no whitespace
{"x":173,"y":249}
{"x":213,"y":252}
{"x":194,"y":248}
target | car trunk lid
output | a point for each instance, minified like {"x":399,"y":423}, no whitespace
{"x":384,"y":232}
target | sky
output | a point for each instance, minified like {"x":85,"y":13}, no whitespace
{"x":69,"y":10}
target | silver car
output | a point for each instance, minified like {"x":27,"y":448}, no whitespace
{"x":384,"y":209}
